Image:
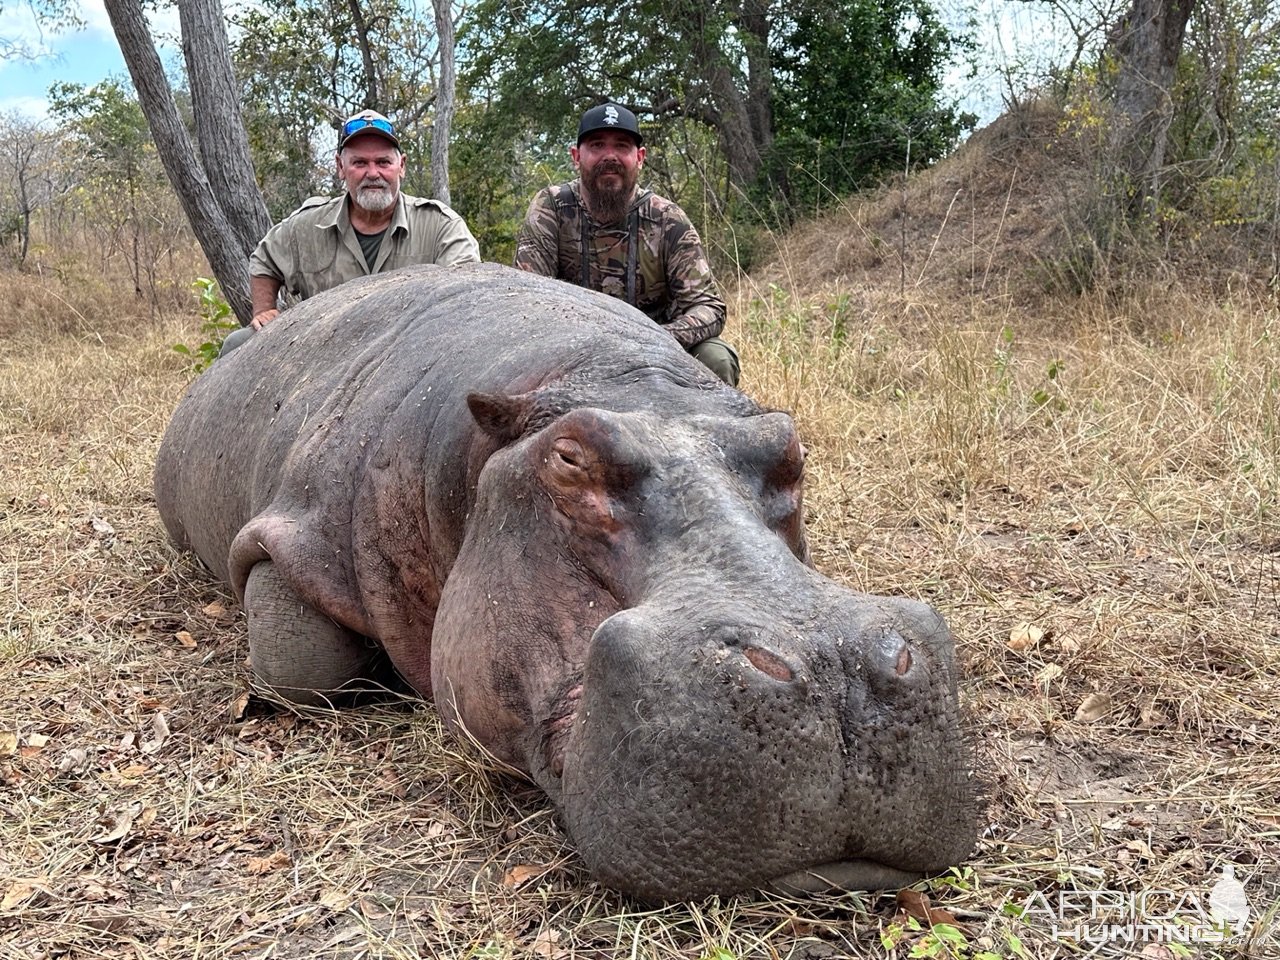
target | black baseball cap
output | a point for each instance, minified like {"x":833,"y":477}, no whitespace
{"x":368,"y":122}
{"x":609,"y":116}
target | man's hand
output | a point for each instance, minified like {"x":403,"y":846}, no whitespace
{"x":263,"y":291}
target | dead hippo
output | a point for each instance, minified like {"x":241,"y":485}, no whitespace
{"x":591,"y":553}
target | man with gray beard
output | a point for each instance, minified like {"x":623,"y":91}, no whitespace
{"x":371,"y":228}
{"x":604,"y":232}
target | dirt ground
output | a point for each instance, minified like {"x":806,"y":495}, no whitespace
{"x":1088,"y":495}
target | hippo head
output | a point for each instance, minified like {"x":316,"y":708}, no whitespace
{"x":632,"y":620}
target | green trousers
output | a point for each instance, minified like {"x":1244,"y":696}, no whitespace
{"x":721,"y":358}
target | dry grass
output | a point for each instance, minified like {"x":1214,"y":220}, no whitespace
{"x":1127,"y":506}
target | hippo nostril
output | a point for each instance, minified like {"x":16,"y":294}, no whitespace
{"x":904,"y":661}
{"x":768,"y":663}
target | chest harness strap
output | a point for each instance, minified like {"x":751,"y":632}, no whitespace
{"x":633,"y":245}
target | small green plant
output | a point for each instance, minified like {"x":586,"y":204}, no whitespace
{"x":939,"y":940}
{"x":1046,"y":397}
{"x":841,"y":311}
{"x":215,"y":310}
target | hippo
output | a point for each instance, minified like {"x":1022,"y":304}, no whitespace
{"x":529,"y":504}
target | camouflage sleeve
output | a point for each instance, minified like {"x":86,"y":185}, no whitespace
{"x":697,"y":310}
{"x":538,"y":238}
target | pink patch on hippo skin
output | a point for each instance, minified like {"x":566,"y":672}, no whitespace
{"x":768,"y":663}
{"x":904,"y":661}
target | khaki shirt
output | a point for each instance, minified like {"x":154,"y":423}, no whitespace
{"x":673,"y":283}
{"x":316,"y":248}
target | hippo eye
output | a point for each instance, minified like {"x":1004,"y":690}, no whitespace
{"x":569,"y":452}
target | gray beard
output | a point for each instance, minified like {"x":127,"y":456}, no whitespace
{"x":375,"y":200}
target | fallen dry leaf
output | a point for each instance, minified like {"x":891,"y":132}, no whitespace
{"x":120,"y":828}
{"x":391,"y":782}
{"x":20,"y":891}
{"x":344,"y":936}
{"x":8,"y":743}
{"x":1151,"y":715}
{"x":185,"y":639}
{"x":1049,"y":674}
{"x":261,"y":865}
{"x":336,"y":900}
{"x":522,"y":873}
{"x":215,"y":610}
{"x":101,"y":527}
{"x":239,"y":706}
{"x":37,"y":740}
{"x":145,"y":818}
{"x":1157,"y":951}
{"x":1093,"y":708}
{"x":547,"y":944}
{"x":1025,"y":636}
{"x":73,"y":759}
{"x":916,"y":905}
{"x":160,"y":731}
{"x":1140,"y":848}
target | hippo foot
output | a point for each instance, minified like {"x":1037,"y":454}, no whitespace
{"x":300,"y":655}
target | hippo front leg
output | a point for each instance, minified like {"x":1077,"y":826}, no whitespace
{"x":299,"y":653}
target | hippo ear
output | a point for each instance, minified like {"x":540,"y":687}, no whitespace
{"x":502,"y":416}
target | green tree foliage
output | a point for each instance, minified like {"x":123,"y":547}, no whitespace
{"x":118,"y":172}
{"x":859,"y":94}
{"x":751,"y":71}
{"x":50,"y":16}
{"x":1225,"y":135}
{"x":306,"y":65}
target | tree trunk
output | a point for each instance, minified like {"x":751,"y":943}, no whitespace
{"x":755,"y":37}
{"x":372,"y":99}
{"x":215,"y":100}
{"x":217,"y":238}
{"x":442,"y":122}
{"x":1146,"y":45}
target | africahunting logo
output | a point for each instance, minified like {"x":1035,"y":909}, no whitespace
{"x":1147,"y":916}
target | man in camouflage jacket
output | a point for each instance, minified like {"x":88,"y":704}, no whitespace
{"x":601,"y":231}
{"x":371,"y":228}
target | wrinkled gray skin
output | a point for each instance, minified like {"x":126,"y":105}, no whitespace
{"x":591,"y":553}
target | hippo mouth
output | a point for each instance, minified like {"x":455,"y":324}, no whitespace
{"x":844,"y":875}
{"x":558,"y":727}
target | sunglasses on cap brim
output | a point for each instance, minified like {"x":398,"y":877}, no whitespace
{"x":356,"y":124}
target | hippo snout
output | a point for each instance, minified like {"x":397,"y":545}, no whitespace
{"x":713,"y":754}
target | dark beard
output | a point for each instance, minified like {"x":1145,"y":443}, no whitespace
{"x":609,"y":204}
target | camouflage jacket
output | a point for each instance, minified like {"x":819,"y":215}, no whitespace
{"x":316,"y":247}
{"x":670,"y":279}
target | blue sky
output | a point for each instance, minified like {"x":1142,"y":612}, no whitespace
{"x":84,"y":56}
{"x":1015,"y":39}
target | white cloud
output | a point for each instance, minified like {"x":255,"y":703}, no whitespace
{"x":20,"y":31}
{"x":35,"y":108}
{"x":94,"y":15}
{"x":163,"y":23}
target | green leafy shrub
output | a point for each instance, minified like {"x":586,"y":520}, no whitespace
{"x":215,"y":310}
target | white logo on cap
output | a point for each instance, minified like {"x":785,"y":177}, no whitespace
{"x":610,"y":115}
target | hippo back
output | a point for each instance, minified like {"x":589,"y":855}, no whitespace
{"x":338,"y":442}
